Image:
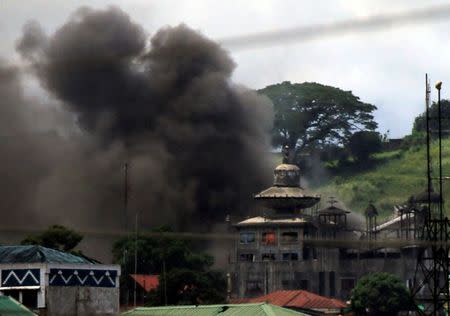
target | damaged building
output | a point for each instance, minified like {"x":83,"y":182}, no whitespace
{"x":294,"y":244}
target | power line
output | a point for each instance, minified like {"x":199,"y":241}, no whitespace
{"x":311,"y":32}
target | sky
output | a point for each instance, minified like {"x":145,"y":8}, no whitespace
{"x":384,"y":67}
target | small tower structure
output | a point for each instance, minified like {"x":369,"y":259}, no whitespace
{"x":371,"y":213}
{"x":286,"y":196}
{"x":332,"y":219}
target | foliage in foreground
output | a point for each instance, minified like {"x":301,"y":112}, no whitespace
{"x":381,"y":294}
{"x":56,"y":237}
{"x":185,"y":276}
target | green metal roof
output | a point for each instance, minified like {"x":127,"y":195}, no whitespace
{"x":10,"y":307}
{"x":259,"y":309}
{"x":38,"y":254}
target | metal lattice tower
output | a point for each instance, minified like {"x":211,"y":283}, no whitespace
{"x":431,"y":284}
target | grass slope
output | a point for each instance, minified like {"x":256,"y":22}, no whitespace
{"x":391,"y":178}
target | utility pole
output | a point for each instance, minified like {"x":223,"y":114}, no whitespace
{"x":135,"y":257}
{"x":431,"y":288}
{"x":125,"y":195}
{"x":165,"y":281}
{"x":125,"y":220}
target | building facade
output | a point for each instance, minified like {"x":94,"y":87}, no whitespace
{"x":54,"y":283}
{"x":294,"y":245}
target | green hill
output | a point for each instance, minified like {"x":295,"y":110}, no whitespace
{"x":389,"y":179}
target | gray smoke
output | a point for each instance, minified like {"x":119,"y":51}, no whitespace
{"x":195,"y":142}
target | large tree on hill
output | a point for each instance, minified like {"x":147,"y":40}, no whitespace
{"x":311,"y":114}
{"x":363,"y":144}
{"x":420,"y":123}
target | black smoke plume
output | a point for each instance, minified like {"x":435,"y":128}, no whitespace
{"x":195,"y":142}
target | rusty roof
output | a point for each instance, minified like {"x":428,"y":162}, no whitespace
{"x":298,"y":299}
{"x":147,"y":281}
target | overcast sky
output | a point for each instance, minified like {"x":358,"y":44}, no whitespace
{"x":385,"y":67}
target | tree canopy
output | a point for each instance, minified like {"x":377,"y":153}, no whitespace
{"x":381,"y":294}
{"x":186,"y":275}
{"x":309,"y":113}
{"x":420,"y":123}
{"x":364,"y":143}
{"x":55,"y":237}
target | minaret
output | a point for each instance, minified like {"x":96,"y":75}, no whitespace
{"x":286,"y":196}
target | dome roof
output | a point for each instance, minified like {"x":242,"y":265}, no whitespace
{"x":286,"y":166}
{"x":286,"y":175}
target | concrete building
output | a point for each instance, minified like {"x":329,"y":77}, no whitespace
{"x":294,"y":245}
{"x":54,"y":283}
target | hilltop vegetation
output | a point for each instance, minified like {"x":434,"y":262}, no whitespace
{"x":331,"y":135}
{"x":390,"y":178}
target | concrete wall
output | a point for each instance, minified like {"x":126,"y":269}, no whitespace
{"x":81,"y":301}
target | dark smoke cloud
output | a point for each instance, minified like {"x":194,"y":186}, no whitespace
{"x":196,"y":143}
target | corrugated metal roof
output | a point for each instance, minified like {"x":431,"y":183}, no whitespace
{"x":299,"y":299}
{"x":10,"y":307}
{"x":260,"y":309}
{"x":38,"y":254}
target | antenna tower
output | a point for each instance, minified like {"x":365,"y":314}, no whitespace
{"x":431,"y":284}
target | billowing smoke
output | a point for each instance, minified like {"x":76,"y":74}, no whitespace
{"x":195,"y":142}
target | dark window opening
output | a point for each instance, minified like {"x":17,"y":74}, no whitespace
{"x":268,"y":257}
{"x":247,"y":238}
{"x":306,"y":232}
{"x":288,"y":284}
{"x":314,"y":253}
{"x":289,"y":237}
{"x":394,"y":255}
{"x":321,"y":283}
{"x":347,"y":285}
{"x":26,"y":297}
{"x":304,"y":285}
{"x":290,"y":256}
{"x":332,"y":277}
{"x":269,"y":238}
{"x":254,"y":287}
{"x":306,"y":253}
{"x":247,"y":257}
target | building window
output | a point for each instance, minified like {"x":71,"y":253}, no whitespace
{"x":347,"y":284}
{"x":268,"y":257}
{"x":321,"y":283}
{"x":269,"y":238}
{"x":306,"y":253}
{"x":254,"y":287}
{"x":304,"y":285}
{"x":288,"y":285}
{"x":289,"y":237}
{"x":247,"y":257}
{"x":332,"y":277}
{"x":247,"y":238}
{"x":306,"y":232}
{"x":290,"y":256}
